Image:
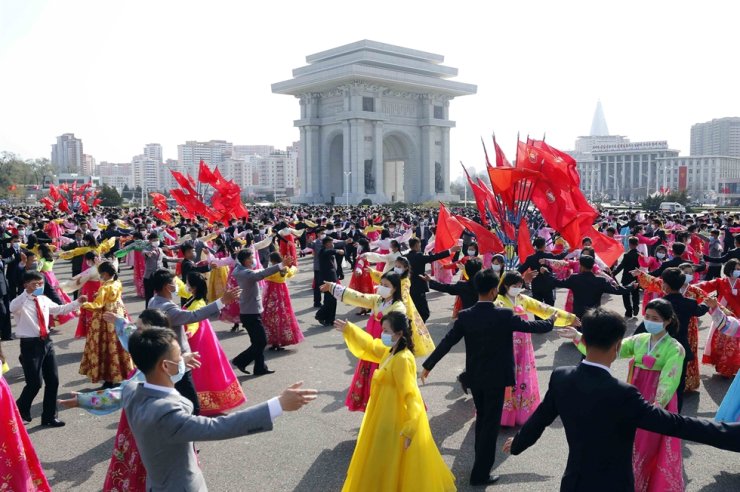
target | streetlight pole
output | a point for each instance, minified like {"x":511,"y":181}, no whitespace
{"x":347,"y":174}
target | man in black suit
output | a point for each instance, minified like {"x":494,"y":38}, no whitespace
{"x":677,"y":249}
{"x":418,"y":262}
{"x":543,"y":288}
{"x":601,"y":413}
{"x":489,"y":364}
{"x":628,"y":264}
{"x":12,"y":260}
{"x":328,"y":273}
{"x":587,"y":288}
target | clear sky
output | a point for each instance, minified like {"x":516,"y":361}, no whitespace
{"x":123,"y":74}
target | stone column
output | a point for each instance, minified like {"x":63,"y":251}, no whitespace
{"x":346,"y":159}
{"x":446,"y":158}
{"x":426,"y":168}
{"x":313,"y":161}
{"x":358,"y":158}
{"x":305,"y":170}
{"x":378,"y":162}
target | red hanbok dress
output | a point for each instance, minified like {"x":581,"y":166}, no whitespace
{"x":722,"y":351}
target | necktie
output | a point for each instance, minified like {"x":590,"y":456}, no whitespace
{"x":42,"y":322}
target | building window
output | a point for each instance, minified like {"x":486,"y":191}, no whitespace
{"x":439,"y":113}
{"x":368,"y":104}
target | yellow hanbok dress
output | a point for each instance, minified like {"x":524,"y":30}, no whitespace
{"x":395,"y":412}
{"x":104,"y":358}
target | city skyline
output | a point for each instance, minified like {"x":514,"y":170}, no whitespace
{"x":201,"y":74}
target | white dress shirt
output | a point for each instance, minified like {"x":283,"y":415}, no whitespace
{"x":594,"y":364}
{"x":23,"y":308}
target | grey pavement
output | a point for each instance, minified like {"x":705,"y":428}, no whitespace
{"x":309,"y":450}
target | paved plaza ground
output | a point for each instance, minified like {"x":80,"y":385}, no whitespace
{"x":310,"y":450}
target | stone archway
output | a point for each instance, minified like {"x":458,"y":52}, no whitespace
{"x":398,"y":163}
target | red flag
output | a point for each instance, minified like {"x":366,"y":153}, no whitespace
{"x":480,"y":198}
{"x":48,"y":204}
{"x":84,"y":208}
{"x":448,"y":231}
{"x":183,"y":181}
{"x":12,"y":187}
{"x":524,"y":242}
{"x":96,"y":202}
{"x":501,"y":160}
{"x":54,"y":193}
{"x":488,"y":242}
{"x":504,"y":180}
{"x":608,"y":249}
{"x":204,"y":174}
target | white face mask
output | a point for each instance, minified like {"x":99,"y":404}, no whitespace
{"x":496,"y":268}
{"x":155,"y":244}
{"x":384,"y":292}
{"x":660,"y":256}
{"x":399,"y":270}
{"x":515,"y":291}
{"x":472,"y":252}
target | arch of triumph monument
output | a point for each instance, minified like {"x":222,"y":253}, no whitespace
{"x":374,"y":124}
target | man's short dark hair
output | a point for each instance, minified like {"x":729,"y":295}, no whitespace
{"x":243,"y":255}
{"x":32,"y":276}
{"x":673,"y":278}
{"x":161,"y":278}
{"x":327,"y":240}
{"x":185,"y":247}
{"x":473,"y":266}
{"x":413,"y":242}
{"x":587,"y":262}
{"x":678,"y":249}
{"x":148,"y":346}
{"x":154,"y":317}
{"x":485,"y":281}
{"x":633,"y":241}
{"x":539,"y":242}
{"x":602,"y":328}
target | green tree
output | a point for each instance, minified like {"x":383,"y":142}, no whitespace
{"x":109,"y":196}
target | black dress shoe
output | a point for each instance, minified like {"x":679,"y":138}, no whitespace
{"x":242,"y":369}
{"x":489,"y":481}
{"x":26,"y":417}
{"x":263,"y":372}
{"x":317,"y":305}
{"x":53,"y":423}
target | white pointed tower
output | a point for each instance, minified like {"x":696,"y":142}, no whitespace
{"x":598,"y":125}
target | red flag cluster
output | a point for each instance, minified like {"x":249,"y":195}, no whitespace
{"x":218,"y":201}
{"x":561,"y":202}
{"x":549,"y":178}
{"x":72,"y":198}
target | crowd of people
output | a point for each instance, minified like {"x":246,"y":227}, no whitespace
{"x":623,"y":435}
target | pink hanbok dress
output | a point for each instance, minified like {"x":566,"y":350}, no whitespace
{"x":215,"y":382}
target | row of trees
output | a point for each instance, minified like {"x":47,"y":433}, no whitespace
{"x":16,"y":174}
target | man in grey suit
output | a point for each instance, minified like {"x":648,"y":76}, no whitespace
{"x":161,"y":419}
{"x":250,"y":310}
{"x":163,"y":283}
